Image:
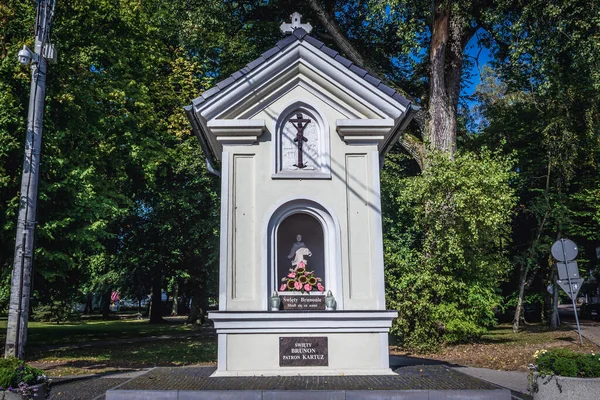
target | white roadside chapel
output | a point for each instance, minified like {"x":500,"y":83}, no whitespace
{"x":300,"y":134}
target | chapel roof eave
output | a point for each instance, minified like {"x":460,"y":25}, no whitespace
{"x":202,"y":138}
{"x":407,"y":117}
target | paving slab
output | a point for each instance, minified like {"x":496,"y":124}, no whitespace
{"x":422,"y":382}
{"x":513,"y":380}
{"x":430,"y":377}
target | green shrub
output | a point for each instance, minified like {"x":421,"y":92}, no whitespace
{"x":566,"y":362}
{"x":14,"y":372}
{"x":445,"y":239}
{"x":52,"y":312}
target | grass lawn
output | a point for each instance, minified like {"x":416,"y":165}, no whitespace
{"x":503,"y":349}
{"x":45,"y":334}
{"x":172,"y":352}
{"x":104,"y":356}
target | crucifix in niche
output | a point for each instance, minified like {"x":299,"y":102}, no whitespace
{"x":300,"y":144}
{"x":300,"y":123}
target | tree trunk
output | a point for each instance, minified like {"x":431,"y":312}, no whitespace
{"x":413,"y":145}
{"x":197,"y":308}
{"x":449,"y":37}
{"x":106,"y":305}
{"x":175,"y":299}
{"x":519,"y":311}
{"x":88,"y":304}
{"x":440,"y":112}
{"x":156,"y":305}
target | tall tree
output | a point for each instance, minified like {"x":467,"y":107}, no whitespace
{"x":547,"y":55}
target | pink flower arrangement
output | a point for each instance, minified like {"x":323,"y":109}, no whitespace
{"x":299,"y":279}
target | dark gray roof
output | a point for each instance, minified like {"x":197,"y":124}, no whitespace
{"x":300,"y":35}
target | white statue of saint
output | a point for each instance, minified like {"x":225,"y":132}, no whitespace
{"x":298,"y":251}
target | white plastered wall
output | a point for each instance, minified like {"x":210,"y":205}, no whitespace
{"x":351,"y":196}
{"x":356,"y":353}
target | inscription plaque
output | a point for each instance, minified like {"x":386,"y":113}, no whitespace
{"x":304,"y":303}
{"x":303,"y":352}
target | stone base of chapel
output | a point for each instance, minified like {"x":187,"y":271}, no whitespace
{"x":249,"y":342}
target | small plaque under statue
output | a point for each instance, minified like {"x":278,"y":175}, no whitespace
{"x":303,"y":302}
{"x":303,"y":352}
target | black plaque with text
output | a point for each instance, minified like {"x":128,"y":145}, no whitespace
{"x":303,"y":352}
{"x":303,"y":303}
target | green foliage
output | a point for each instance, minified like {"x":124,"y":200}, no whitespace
{"x":115,"y":134}
{"x":565,"y":362}
{"x":14,"y":371}
{"x":542,"y":100}
{"x":447,"y":232}
{"x":57,"y":311}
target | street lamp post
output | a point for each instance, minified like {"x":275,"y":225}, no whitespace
{"x":20,"y":292}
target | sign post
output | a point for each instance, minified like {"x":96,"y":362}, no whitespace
{"x":565,"y":250}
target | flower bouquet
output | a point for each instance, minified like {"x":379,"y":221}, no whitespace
{"x":299,"y":279}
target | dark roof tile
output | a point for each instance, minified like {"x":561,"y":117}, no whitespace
{"x":210,"y":92}
{"x":401,"y":99}
{"x":198,"y":100}
{"x":372,"y":80}
{"x":285,"y":42}
{"x":300,"y":33}
{"x":358,"y":70}
{"x":270,"y":53}
{"x":386,"y":89}
{"x":237,"y":74}
{"x":317,"y":43}
{"x":330,"y":52}
{"x":224,"y":83}
{"x":344,"y":61}
{"x":253,"y":64}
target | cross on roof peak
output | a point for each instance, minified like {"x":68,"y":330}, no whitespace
{"x":295,"y":24}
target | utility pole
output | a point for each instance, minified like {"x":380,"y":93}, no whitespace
{"x":20,"y":290}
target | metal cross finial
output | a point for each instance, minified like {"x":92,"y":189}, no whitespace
{"x":295,"y":24}
{"x":300,"y":123}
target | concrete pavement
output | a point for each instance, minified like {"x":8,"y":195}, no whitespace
{"x":589,"y":329}
{"x":517,"y":382}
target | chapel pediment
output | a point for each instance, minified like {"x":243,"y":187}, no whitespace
{"x":299,"y":62}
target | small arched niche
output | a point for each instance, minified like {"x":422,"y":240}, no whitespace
{"x":301,"y":144}
{"x":300,"y":236}
{"x":319,"y":233}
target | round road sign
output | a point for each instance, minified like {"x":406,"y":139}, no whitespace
{"x":562,"y":248}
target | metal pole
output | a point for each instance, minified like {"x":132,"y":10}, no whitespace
{"x":18,"y":312}
{"x":562,"y":243}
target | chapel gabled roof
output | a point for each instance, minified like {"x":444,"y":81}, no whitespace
{"x":300,"y":34}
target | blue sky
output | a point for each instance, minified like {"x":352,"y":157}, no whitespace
{"x":473,"y":50}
